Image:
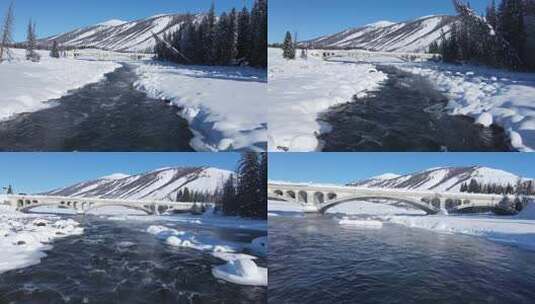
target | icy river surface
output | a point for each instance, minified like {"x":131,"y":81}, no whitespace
{"x":406,"y":114}
{"x":314,"y":259}
{"x":119,"y":262}
{"x":110,"y":115}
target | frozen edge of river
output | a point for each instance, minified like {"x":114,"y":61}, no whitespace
{"x":226,"y":107}
{"x":25,"y":238}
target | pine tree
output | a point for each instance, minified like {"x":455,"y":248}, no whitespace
{"x":229,"y":200}
{"x":209,"y":36}
{"x":244,"y":34}
{"x":55,"y":50}
{"x":179,"y":196}
{"x":6,"y":38}
{"x":186,"y":196}
{"x":492,"y":15}
{"x":511,"y":24}
{"x":262,"y":186}
{"x":434,"y":48}
{"x":259,"y":29}
{"x":31,"y":43}
{"x":248,"y":184}
{"x":288,"y":48}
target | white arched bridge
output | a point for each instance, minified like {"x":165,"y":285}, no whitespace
{"x":320,"y":198}
{"x":371,"y":56}
{"x":82,"y":205}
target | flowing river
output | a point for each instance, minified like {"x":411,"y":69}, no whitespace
{"x":313,"y":259}
{"x":110,"y":115}
{"x":119,"y":262}
{"x":406,"y":114}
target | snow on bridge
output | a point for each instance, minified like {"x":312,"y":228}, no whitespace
{"x":25,"y":203}
{"x":319,"y":198}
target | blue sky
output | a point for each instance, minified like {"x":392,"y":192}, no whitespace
{"x":341,"y":168}
{"x":57,"y":16}
{"x":313,"y":18}
{"x":36,"y":172}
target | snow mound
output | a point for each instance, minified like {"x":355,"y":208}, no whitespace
{"x":242,"y":271}
{"x":365,"y":224}
{"x":173,"y":237}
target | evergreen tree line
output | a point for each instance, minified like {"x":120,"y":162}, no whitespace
{"x":521,"y":188}
{"x":245,"y":193}
{"x":497,"y":39}
{"x":233,"y":38}
{"x":185,"y":195}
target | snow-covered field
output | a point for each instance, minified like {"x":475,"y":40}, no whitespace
{"x":24,"y":238}
{"x":26,"y":86}
{"x":488,"y":95}
{"x":226,"y":106}
{"x":300,"y":89}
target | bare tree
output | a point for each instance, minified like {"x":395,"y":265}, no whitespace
{"x":7,"y":33}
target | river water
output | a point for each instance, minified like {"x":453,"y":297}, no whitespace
{"x":313,"y":259}
{"x":118,"y":262}
{"x":406,"y":114}
{"x":110,"y":115}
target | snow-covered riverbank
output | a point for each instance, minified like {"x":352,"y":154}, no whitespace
{"x":489,"y":95}
{"x":25,"y":238}
{"x":225,"y":106}
{"x":300,"y":89}
{"x":26,"y":86}
{"x":510,"y":230}
{"x":513,"y":230}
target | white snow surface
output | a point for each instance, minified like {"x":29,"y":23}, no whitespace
{"x":512,"y":230}
{"x":225,"y":106}
{"x":300,"y":89}
{"x":26,"y":85}
{"x":113,"y":22}
{"x":489,"y":95}
{"x":24,"y":238}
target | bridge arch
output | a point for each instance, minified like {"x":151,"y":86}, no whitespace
{"x":417,"y":204}
{"x":319,"y":198}
{"x":302,"y":197}
{"x":32,"y":206}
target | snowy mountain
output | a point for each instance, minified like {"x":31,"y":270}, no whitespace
{"x":161,"y":184}
{"x":409,"y":36}
{"x":440,"y":179}
{"x":121,"y":36}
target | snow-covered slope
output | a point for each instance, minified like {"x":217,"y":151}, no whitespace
{"x":409,"y":36}
{"x":440,"y":179}
{"x":122,"y":36}
{"x":161,"y":184}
